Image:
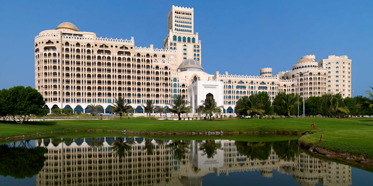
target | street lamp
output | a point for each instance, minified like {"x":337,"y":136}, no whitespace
{"x":304,"y":106}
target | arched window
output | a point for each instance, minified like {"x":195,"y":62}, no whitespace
{"x":179,"y":39}
{"x":193,"y":40}
{"x":188,"y":39}
{"x":174,"y":38}
{"x":184,"y":39}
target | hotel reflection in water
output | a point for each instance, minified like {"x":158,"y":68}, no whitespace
{"x":96,"y":162}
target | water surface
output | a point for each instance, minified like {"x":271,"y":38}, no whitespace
{"x":143,"y":161}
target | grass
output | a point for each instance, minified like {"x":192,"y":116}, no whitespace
{"x":346,"y":135}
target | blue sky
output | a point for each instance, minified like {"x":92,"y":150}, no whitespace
{"x":239,"y":37}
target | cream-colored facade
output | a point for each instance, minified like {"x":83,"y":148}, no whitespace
{"x":74,"y":69}
{"x":78,"y":162}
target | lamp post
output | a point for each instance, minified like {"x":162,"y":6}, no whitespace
{"x":304,"y":106}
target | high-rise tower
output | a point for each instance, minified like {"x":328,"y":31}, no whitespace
{"x":181,"y":36}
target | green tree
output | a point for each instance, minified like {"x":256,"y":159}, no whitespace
{"x":67,"y":111}
{"x":255,"y":105}
{"x":364,"y":103}
{"x":149,"y":107}
{"x":333,"y":102}
{"x":19,"y":103}
{"x":160,"y":110}
{"x":242,"y":106}
{"x":284,"y":103}
{"x":95,"y":108}
{"x":265,"y":101}
{"x":3,"y":102}
{"x":119,"y":107}
{"x":210,"y":148}
{"x":179,"y":106}
{"x":57,"y":111}
{"x":210,"y":107}
{"x":352,"y":105}
{"x":313,"y":106}
{"x":21,"y":162}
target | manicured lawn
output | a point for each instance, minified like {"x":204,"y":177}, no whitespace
{"x":352,"y":135}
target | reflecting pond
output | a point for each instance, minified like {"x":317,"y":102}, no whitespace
{"x":144,"y":161}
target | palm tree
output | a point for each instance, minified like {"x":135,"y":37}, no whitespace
{"x":122,"y":147}
{"x":255,"y":105}
{"x":370,"y":94}
{"x":180,"y":148}
{"x":179,"y":106}
{"x":95,"y":108}
{"x":119,"y":107}
{"x":334,"y":101}
{"x":210,"y":148}
{"x":290,"y":101}
{"x":149,"y":107}
{"x":160,"y":110}
{"x":210,"y":107}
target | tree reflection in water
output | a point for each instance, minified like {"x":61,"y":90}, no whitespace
{"x":149,"y":147}
{"x":286,"y":150}
{"x":210,"y":148}
{"x":122,"y":147}
{"x":180,"y":148}
{"x":96,"y":143}
{"x":254,"y":150}
{"x":20,"y":160}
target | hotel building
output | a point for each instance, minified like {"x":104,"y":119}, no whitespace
{"x":74,"y":69}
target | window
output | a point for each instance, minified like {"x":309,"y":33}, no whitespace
{"x":179,"y":39}
{"x":185,"y":49}
{"x":336,"y":71}
{"x":185,"y":53}
{"x":336,"y":80}
{"x":329,"y":72}
{"x":174,"y":38}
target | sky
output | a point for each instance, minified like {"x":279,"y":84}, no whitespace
{"x":239,"y":37}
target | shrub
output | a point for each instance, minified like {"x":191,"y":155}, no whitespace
{"x":260,"y":117}
{"x":230,"y":116}
{"x":204,"y":118}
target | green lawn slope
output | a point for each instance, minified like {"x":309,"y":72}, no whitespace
{"x":347,"y":135}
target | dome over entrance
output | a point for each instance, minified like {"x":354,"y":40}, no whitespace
{"x":67,"y":25}
{"x":190,"y":65}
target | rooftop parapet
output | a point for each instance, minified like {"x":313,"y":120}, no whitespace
{"x":247,"y":77}
{"x":77,"y":38}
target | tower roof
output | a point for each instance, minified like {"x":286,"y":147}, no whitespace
{"x":67,"y":25}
